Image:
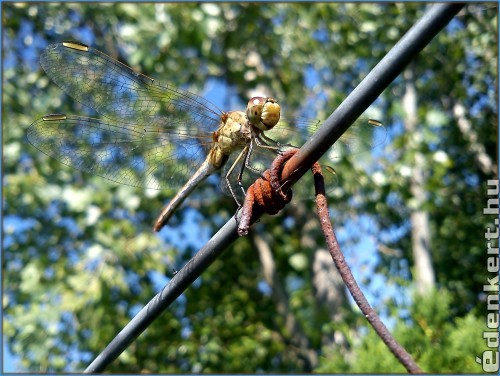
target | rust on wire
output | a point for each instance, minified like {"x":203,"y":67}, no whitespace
{"x":338,"y":258}
{"x":266,"y":195}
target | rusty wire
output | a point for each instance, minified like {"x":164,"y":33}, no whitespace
{"x":345,"y":272}
{"x":265,"y":195}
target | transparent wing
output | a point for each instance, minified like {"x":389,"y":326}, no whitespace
{"x":115,"y":91}
{"x":362,"y":136}
{"x":152,"y":135}
{"x":125,"y":153}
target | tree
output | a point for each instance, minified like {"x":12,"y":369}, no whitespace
{"x":80,"y":259}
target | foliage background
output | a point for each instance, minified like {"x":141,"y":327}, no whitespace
{"x":79,"y":257}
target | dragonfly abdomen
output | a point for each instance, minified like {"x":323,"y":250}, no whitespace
{"x":206,"y":169}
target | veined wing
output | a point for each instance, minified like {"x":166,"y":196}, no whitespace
{"x":125,"y":153}
{"x":117,"y":92}
{"x":364,"y":135}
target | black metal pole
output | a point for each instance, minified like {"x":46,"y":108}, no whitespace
{"x":355,"y":104}
{"x":180,"y":282}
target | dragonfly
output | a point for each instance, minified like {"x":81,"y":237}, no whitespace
{"x":158,"y":136}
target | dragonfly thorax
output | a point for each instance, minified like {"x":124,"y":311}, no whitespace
{"x":233,"y":134}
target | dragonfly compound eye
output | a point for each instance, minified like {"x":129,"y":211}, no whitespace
{"x":254,"y":109}
{"x":270,"y":113}
{"x":263,"y":113}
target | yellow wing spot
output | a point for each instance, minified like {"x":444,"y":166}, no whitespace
{"x":374,"y":122}
{"x":54,"y":117}
{"x":76,"y":46}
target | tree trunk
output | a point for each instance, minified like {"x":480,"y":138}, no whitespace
{"x":296,"y":338}
{"x":420,"y":233}
{"x":483,"y":160}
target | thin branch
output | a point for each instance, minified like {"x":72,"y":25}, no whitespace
{"x":436,"y":18}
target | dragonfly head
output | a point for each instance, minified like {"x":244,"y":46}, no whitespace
{"x":263,"y":113}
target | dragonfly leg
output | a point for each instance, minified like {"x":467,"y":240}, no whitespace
{"x":243,"y":154}
{"x":262,"y":144}
{"x":263,"y":141}
{"x":247,"y":163}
